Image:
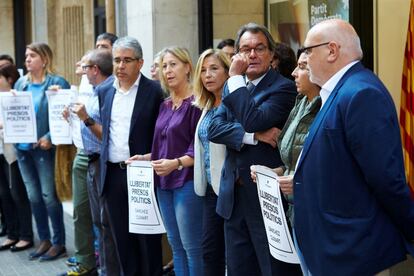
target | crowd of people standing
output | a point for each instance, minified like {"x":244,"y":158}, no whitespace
{"x":324,"y":124}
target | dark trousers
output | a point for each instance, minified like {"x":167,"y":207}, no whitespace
{"x":247,"y":248}
{"x":108,"y":257}
{"x":14,"y":201}
{"x":213,"y":237}
{"x":138,"y":254}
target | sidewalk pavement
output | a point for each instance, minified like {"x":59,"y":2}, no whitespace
{"x":18,"y":264}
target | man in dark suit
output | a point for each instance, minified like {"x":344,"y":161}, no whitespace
{"x":129,"y":109}
{"x":353,"y":211}
{"x":264,"y":104}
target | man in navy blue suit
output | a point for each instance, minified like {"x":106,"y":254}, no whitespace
{"x":353,"y":211}
{"x":260,"y":100}
{"x":129,"y":109}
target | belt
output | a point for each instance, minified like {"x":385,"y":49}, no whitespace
{"x":93,"y":157}
{"x":122,"y":165}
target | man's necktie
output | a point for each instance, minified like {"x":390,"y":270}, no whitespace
{"x":250,"y":86}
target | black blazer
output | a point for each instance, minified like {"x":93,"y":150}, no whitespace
{"x":143,"y":117}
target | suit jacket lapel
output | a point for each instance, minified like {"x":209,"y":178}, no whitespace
{"x":267,"y":81}
{"x":109,"y":99}
{"x":139,"y":100}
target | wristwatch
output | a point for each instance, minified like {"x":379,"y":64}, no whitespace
{"x":89,"y":122}
{"x":180,"y":164}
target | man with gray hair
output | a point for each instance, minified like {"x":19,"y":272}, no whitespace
{"x":129,"y":109}
{"x":353,"y":211}
{"x":97,"y":66}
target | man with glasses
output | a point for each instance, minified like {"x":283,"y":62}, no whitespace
{"x":88,"y":210}
{"x":353,"y":211}
{"x":129,"y":109}
{"x":260,"y":100}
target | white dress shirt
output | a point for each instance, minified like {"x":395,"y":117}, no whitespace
{"x":122,"y":108}
{"x":329,"y":86}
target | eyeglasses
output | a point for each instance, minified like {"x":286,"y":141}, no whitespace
{"x":84,"y":67}
{"x":308,"y":50}
{"x":126,"y":60}
{"x":259,"y":50}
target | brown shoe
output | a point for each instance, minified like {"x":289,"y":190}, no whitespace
{"x":42,"y":249}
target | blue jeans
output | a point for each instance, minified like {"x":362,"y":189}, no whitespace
{"x":37,"y":169}
{"x":182,"y":210}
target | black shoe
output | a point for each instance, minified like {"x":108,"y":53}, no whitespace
{"x":15,"y":248}
{"x":7,"y":246}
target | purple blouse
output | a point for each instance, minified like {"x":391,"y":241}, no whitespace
{"x":173,"y":138}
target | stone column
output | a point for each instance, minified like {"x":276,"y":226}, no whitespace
{"x":110,"y":16}
{"x":7,"y":34}
{"x":160,"y":23}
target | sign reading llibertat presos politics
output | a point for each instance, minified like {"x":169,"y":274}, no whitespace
{"x":18,"y":116}
{"x":60,"y":129}
{"x":144,"y":215}
{"x":280,"y":241}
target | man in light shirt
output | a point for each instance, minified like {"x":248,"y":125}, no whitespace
{"x":353,"y":211}
{"x":129,"y":109}
{"x":260,"y":99}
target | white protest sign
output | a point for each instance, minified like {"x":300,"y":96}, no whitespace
{"x":280,"y":242}
{"x":83,"y":94}
{"x":19,"y":119}
{"x":144,"y":215}
{"x":60,"y":129}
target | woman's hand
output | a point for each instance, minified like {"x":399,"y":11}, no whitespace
{"x":139,"y":157}
{"x":286,"y":184}
{"x":253,"y":173}
{"x":164,"y":167}
{"x":66,"y":113}
{"x":44,"y":143}
{"x":54,"y":87}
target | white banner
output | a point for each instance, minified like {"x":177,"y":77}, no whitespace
{"x":19,"y":119}
{"x":144,"y":215}
{"x":280,"y":241}
{"x":60,"y":129}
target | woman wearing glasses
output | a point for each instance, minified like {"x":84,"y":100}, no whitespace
{"x":36,"y":161}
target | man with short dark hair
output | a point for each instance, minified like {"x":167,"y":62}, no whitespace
{"x":227,"y":46}
{"x":260,"y":101}
{"x":6,"y":59}
{"x":105,"y":41}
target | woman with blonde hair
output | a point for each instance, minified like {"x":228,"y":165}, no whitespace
{"x":210,"y":75}
{"x":36,"y":161}
{"x":173,"y":158}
